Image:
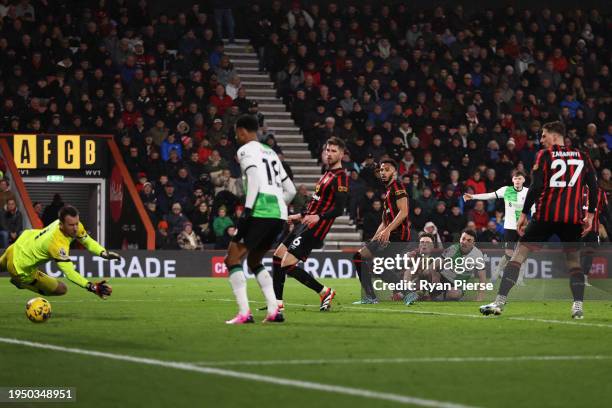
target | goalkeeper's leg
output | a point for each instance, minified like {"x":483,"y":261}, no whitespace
{"x":40,"y":282}
{"x":34,"y":280}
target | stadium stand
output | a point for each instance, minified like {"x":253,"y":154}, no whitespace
{"x":456,"y":98}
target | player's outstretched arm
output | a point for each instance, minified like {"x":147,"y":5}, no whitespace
{"x":101,"y":289}
{"x":92,"y":245}
{"x":485,"y":196}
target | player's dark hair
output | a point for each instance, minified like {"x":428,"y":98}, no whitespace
{"x":247,"y":122}
{"x":519,"y":173}
{"x":389,"y":161}
{"x":555,"y":127}
{"x":336,"y":141}
{"x":470,"y":232}
{"x":66,"y":211}
{"x":424,"y":234}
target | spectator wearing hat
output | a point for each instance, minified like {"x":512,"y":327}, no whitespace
{"x":188,"y":239}
{"x":176,"y":219}
{"x":166,"y":197}
{"x":216,"y":132}
{"x":147,"y":193}
{"x":254,"y":110}
{"x":163,"y":240}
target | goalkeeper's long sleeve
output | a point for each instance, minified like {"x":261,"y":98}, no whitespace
{"x":67,"y":268}
{"x":88,"y":242}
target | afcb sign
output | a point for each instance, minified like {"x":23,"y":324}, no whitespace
{"x":76,"y":155}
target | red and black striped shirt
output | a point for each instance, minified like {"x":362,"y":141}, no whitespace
{"x":395,"y":192}
{"x":328,"y":200}
{"x":560,"y":175}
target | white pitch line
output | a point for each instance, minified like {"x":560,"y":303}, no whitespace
{"x":434,"y":313}
{"x":334,"y":389}
{"x":478,"y":359}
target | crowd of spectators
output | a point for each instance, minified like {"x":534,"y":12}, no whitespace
{"x":456,"y":98}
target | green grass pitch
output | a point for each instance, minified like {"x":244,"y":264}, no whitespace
{"x":440,"y":357}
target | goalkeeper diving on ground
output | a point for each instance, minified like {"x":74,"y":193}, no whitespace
{"x":35,"y":247}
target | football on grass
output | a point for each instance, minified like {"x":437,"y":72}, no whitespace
{"x":38,"y":310}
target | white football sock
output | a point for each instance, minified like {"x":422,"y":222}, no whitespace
{"x":238,"y":282}
{"x":265,"y":283}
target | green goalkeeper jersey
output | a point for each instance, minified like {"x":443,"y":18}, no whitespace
{"x":38,"y":246}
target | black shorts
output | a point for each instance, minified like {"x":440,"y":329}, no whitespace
{"x":301,"y":241}
{"x":511,"y":237}
{"x":541,"y":231}
{"x":260,"y":234}
{"x":591,"y":237}
{"x":590,"y":243}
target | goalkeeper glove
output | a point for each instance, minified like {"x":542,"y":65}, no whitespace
{"x":102,"y":289}
{"x":108,"y":255}
{"x":243,"y":222}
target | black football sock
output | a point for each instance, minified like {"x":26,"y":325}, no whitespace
{"x":278,"y":277}
{"x":361,"y":267}
{"x":511,"y":274}
{"x":577,"y":284}
{"x":586,"y":262}
{"x":303,"y":277}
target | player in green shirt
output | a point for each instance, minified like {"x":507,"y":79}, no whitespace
{"x":36,"y":247}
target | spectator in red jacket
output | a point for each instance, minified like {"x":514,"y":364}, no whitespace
{"x":477,"y":183}
{"x":560,"y":63}
{"x":221,"y":100}
{"x":129,"y":115}
{"x":479,"y":216}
